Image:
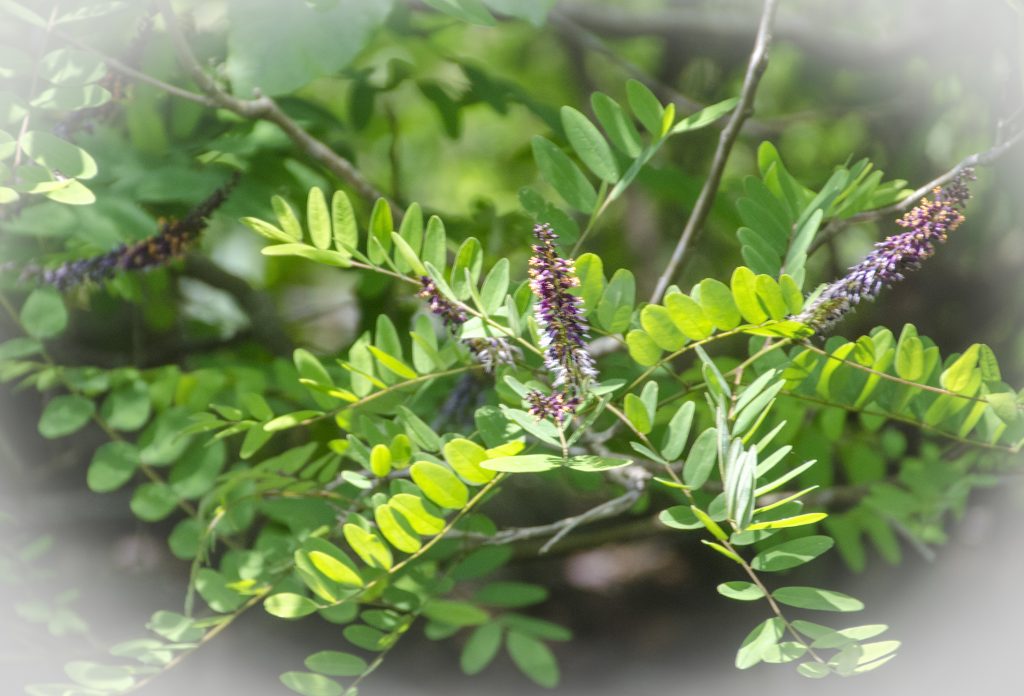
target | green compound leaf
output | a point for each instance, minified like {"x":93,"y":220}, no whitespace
{"x":764,"y":636}
{"x":394,"y":531}
{"x":615,"y":310}
{"x":267,"y":230}
{"x":65,"y":415}
{"x":718,"y":305}
{"x":318,"y":219}
{"x":642,"y":348}
{"x":590,"y":271}
{"x":818,"y":599}
{"x":412,"y":509}
{"x":958,"y":376}
{"x":590,"y":145}
{"x":563,"y":175}
{"x":336,"y":567}
{"x":705,"y":117}
{"x":309,"y":684}
{"x":380,"y":228}
{"x":525,"y":463}
{"x":616,"y":124}
{"x":466,"y":457}
{"x":825,"y":637}
{"x":813,"y":670}
{"x":533,"y":658}
{"x":343,"y":223}
{"x":744,"y":293}
{"x":538,"y":628}
{"x":440,"y":485}
{"x":127,"y":408}
{"x":367,"y":546}
{"x":658,"y":323}
{"x":288,"y":605}
{"x":481,"y":648}
{"x":367,"y":637}
{"x":700,"y":461}
{"x":43,"y":315}
{"x":791,"y":554}
{"x":688,"y":316}
{"x":20,"y":347}
{"x":112,"y":466}
{"x":185,"y":539}
{"x":741,"y":591}
{"x":646,"y":107}
{"x":510,"y":594}
{"x":286,"y":218}
{"x":290,"y":420}
{"x":97,"y":676}
{"x":59,"y":155}
{"x":680,"y":517}
{"x":213,"y":588}
{"x":784,"y":652}
{"x":591,"y":463}
{"x":636,"y":413}
{"x":334,"y":663}
{"x":455,"y":613}
{"x":795,"y":521}
{"x":380,"y":461}
{"x":324,"y":256}
{"x":495,"y":287}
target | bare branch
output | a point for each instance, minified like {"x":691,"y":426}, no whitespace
{"x":726,"y":139}
{"x":130,"y":72}
{"x":265,"y":108}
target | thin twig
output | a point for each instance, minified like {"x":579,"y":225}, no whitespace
{"x":726,"y":139}
{"x":128,"y":71}
{"x":558,"y":529}
{"x":264,"y":108}
{"x":23,"y":129}
{"x":978,"y":159}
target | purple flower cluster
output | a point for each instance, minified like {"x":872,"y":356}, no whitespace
{"x":170,"y":242}
{"x":563,"y":329}
{"x":451,"y":314}
{"x":489,"y":351}
{"x":926,"y":226}
{"x":557,"y":406}
{"x":492,"y":351}
{"x":559,"y":314}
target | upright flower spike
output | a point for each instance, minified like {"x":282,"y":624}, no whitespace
{"x":171,"y":241}
{"x":559,"y":314}
{"x":563,"y":330}
{"x":926,"y":226}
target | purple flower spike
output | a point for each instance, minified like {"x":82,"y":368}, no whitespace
{"x":559,"y":314}
{"x":451,"y":314}
{"x":558,"y":406}
{"x":926,"y":226}
{"x":171,"y":241}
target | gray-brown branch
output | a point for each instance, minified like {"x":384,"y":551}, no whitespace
{"x":726,"y":139}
